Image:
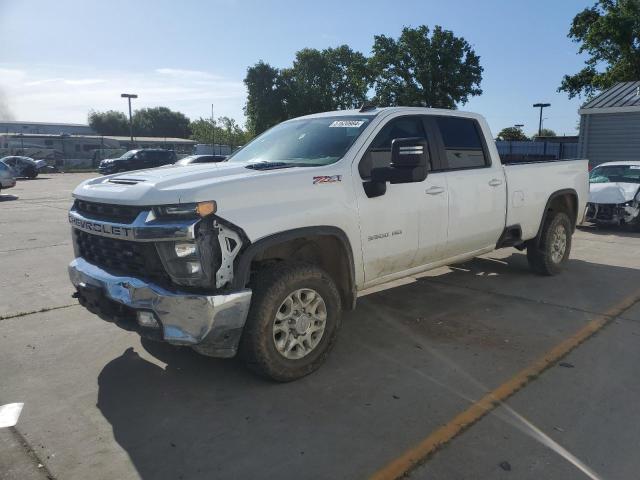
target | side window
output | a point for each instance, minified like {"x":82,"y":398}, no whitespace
{"x":379,"y":152}
{"x":462,"y":142}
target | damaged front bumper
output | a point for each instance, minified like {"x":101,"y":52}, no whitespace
{"x":614,"y":214}
{"x":210,"y":324}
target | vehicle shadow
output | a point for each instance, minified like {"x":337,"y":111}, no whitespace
{"x":7,"y":198}
{"x":631,"y":231}
{"x":197,"y":417}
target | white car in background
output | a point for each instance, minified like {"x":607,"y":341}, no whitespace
{"x":7,"y":180}
{"x":614,"y":194}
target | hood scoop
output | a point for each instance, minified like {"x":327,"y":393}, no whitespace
{"x":125,"y":181}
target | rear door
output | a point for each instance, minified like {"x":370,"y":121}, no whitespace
{"x":148,"y":159}
{"x":476,"y":186}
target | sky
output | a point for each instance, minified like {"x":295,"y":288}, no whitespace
{"x":58,"y":60}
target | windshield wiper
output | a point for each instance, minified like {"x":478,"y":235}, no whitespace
{"x":270,"y":165}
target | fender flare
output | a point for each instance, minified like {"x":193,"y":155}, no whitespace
{"x":551,"y":198}
{"x":242,"y":265}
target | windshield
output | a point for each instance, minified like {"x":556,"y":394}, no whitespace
{"x":128,"y":155}
{"x":615,"y":173}
{"x":305,"y":142}
{"x":186,"y":160}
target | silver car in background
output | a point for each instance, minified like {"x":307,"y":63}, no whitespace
{"x":7,"y":180}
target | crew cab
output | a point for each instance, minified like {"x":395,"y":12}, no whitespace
{"x":261,"y":253}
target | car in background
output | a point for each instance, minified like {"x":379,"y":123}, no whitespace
{"x":193,"y":159}
{"x":614,"y":194}
{"x":7,"y":180}
{"x":137,"y":160}
{"x":23,"y":167}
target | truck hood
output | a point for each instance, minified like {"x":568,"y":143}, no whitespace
{"x":613,"y":192}
{"x":171,"y":184}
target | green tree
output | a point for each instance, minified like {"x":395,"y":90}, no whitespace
{"x":227,"y":132}
{"x":110,"y":122}
{"x":160,"y":122}
{"x":265,"y":106}
{"x":512,"y":134}
{"x":547,"y":132}
{"x":423,"y":68}
{"x":609,"y":34}
{"x":349,"y":76}
{"x":319,"y":80}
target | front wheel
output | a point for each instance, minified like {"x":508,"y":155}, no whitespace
{"x":549,"y":251}
{"x":292,"y":323}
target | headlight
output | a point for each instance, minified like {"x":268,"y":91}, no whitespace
{"x":193,"y":263}
{"x":185,"y":210}
{"x":181,"y":260}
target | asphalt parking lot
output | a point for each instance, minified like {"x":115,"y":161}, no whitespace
{"x":482,"y":370}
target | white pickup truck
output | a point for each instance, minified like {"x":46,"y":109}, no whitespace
{"x":261,"y":253}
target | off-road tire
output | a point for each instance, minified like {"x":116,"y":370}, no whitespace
{"x":540,"y":249}
{"x":270,"y":288}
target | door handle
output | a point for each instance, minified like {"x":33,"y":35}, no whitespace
{"x":434,"y":190}
{"x":494,"y":182}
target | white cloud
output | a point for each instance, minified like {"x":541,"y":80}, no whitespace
{"x":187,"y":74}
{"x":84,"y":81}
{"x":63,"y":94}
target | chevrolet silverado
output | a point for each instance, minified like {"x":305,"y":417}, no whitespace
{"x":261,"y":253}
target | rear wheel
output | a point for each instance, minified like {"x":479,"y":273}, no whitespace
{"x":293,"y":321}
{"x":549,"y":251}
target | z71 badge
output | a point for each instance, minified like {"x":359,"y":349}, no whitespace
{"x":327,"y":179}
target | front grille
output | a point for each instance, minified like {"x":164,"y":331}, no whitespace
{"x":606,"y":211}
{"x":108,"y":212}
{"x":121,"y":257}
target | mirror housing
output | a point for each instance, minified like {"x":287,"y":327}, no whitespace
{"x":409,"y":164}
{"x":412,"y":152}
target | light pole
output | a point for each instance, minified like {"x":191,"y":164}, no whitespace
{"x":129,"y":96}
{"x":541,"y":106}
{"x":542,"y":124}
{"x":213,"y":133}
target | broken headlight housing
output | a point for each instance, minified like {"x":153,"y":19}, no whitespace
{"x":183,"y":262}
{"x":191,"y":263}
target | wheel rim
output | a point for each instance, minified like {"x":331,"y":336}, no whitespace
{"x":558,"y":244}
{"x":299,"y":323}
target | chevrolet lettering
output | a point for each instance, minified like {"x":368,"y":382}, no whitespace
{"x":105,"y":229}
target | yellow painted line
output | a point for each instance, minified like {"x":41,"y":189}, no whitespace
{"x":412,"y":457}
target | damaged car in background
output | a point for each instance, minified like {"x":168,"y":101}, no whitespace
{"x":614,"y":194}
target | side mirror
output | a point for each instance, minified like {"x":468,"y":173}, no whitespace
{"x":409,"y":163}
{"x":409,"y":152}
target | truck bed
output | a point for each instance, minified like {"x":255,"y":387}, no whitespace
{"x":529,"y":186}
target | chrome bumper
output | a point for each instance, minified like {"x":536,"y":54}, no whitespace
{"x":211,"y":324}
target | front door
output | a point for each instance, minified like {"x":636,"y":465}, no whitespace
{"x":394,"y":233}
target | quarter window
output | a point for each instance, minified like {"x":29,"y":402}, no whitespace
{"x":462,"y":142}
{"x":379,"y":152}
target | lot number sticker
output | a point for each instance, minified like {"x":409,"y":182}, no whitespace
{"x":347,"y":124}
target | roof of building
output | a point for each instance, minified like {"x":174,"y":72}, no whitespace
{"x":623,"y":95}
{"x":56,"y":124}
{"x":97,"y":137}
{"x":149,"y":139}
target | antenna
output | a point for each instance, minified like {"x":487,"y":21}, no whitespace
{"x":367,"y":106}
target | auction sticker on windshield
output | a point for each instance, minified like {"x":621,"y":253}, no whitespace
{"x":347,"y":124}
